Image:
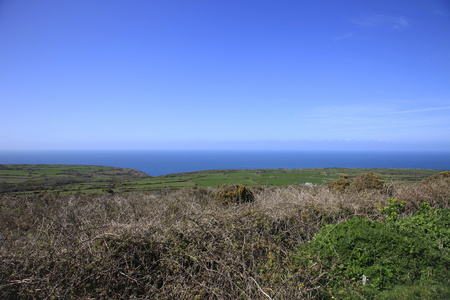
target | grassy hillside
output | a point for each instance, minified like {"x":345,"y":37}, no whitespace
{"x":288,"y":242}
{"x":63,"y":178}
{"x":94,"y":179}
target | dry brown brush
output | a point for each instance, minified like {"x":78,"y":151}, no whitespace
{"x":181,"y":244}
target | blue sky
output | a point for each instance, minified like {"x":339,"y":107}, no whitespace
{"x":257,"y":74}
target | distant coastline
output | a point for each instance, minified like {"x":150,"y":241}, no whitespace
{"x":157,"y":163}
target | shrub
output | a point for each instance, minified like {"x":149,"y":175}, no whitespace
{"x":438,"y":176}
{"x":234,"y":194}
{"x":437,"y":189}
{"x":394,"y":208}
{"x":367,"y":181}
{"x":392,"y":253}
{"x":341,"y":184}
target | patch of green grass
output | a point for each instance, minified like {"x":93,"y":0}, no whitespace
{"x":423,"y":290}
{"x":13,"y":173}
{"x":171,"y":184}
{"x":281,"y":181}
{"x":217,"y":182}
{"x":211,"y":177}
{"x":244,"y":174}
{"x":25,"y":178}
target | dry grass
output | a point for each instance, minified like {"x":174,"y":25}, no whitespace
{"x":179,"y":244}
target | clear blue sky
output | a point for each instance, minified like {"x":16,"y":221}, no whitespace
{"x":212,"y":74}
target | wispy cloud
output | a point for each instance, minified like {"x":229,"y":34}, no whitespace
{"x":393,"y":22}
{"x":437,"y":57}
{"x":441,"y":12}
{"x":418,"y":110}
{"x":344,"y":36}
{"x":359,"y":121}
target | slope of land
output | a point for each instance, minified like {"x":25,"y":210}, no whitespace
{"x":94,"y":179}
{"x":63,"y":178}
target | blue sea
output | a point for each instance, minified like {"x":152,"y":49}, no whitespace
{"x":157,"y":163}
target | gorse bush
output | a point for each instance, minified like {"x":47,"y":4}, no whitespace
{"x":234,"y":194}
{"x":341,"y":184}
{"x":442,"y":175}
{"x":365,"y":181}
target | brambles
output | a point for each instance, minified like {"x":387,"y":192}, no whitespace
{"x":442,"y":175}
{"x":234,"y":194}
{"x":436,"y":187}
{"x":185,"y":244}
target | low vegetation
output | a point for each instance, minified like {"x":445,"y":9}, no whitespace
{"x":364,"y":181}
{"x":387,"y":241}
{"x":411,"y":251}
{"x":234,"y":194}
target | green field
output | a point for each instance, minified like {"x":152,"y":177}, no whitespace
{"x":94,"y":179}
{"x":63,"y":178}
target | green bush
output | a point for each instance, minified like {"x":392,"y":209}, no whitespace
{"x":392,"y":210}
{"x":234,"y":194}
{"x":392,"y":253}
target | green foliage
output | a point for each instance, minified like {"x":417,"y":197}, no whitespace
{"x":424,"y":290}
{"x":402,"y":252}
{"x":234,"y":194}
{"x":393,"y":209}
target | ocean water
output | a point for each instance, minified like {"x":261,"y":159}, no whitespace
{"x":167,"y":162}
